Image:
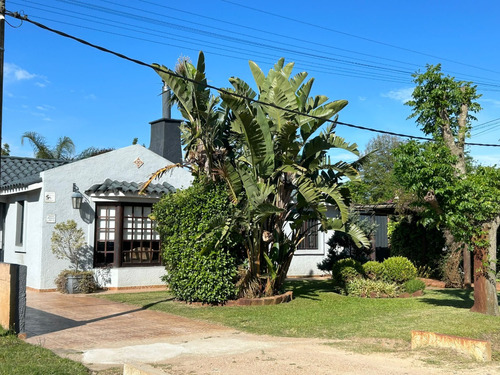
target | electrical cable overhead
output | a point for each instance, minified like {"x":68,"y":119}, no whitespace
{"x":354,"y":36}
{"x":347,"y":65}
{"x":221,"y":90}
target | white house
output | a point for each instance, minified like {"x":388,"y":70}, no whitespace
{"x":124,"y":250}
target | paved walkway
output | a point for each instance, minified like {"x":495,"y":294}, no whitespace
{"x":103,"y":334}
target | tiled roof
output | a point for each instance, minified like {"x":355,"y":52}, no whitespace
{"x":113,"y":186}
{"x":21,"y":172}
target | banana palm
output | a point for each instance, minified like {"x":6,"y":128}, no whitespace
{"x":203,"y":131}
{"x":282,"y":176}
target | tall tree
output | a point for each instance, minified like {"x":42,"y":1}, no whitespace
{"x":438,"y":174}
{"x":443,"y":108}
{"x":273,"y":161}
{"x":377,"y":183}
{"x":467,"y":206}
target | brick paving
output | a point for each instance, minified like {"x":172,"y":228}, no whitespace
{"x":81,"y":322}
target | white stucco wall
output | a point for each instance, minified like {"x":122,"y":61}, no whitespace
{"x":58,"y":182}
{"x":305,"y":262}
{"x":28,"y":253}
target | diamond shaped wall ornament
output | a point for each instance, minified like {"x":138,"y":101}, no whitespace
{"x":138,"y":162}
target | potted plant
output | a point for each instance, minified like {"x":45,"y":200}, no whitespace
{"x":68,"y":242}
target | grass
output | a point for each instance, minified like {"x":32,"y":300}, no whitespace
{"x":20,"y":358}
{"x":318,"y":312}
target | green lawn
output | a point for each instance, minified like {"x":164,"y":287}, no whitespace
{"x":19,"y":358}
{"x":318,"y":312}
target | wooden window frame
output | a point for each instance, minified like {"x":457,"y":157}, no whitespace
{"x":123,"y":249}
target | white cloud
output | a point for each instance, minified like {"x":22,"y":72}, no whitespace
{"x":15,"y":73}
{"x":362,"y":98}
{"x":40,"y":84}
{"x":45,"y":107}
{"x":401,"y":95}
{"x":91,"y":97}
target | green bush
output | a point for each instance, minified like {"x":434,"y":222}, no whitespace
{"x":87,"y":283}
{"x":366,"y":287}
{"x":200,"y":267}
{"x":345,"y":270}
{"x":399,"y":269}
{"x":374,"y":270}
{"x":411,"y":286}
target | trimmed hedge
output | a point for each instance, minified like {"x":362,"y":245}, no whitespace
{"x":399,"y":269}
{"x":190,"y":223}
{"x":374,"y":270}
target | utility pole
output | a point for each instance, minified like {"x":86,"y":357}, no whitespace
{"x":2,"y":44}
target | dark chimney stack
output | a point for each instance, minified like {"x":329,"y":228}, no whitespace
{"x":165,"y":132}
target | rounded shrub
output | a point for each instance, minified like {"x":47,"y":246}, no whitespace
{"x":374,"y":270}
{"x":399,"y":269}
{"x":411,"y":286}
{"x":345,"y":270}
{"x":200,"y":266}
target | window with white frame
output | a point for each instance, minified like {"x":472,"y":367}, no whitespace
{"x":19,"y":223}
{"x":125,"y":236}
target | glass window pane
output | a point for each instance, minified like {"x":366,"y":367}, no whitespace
{"x":137,"y":211}
{"x":127,"y":211}
{"x":112,"y":212}
{"x":147,"y":211}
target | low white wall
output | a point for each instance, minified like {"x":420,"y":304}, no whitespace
{"x":127,"y":277}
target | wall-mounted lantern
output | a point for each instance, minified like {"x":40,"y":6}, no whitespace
{"x":76,"y":197}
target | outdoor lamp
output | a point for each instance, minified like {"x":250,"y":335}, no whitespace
{"x":76,"y":198}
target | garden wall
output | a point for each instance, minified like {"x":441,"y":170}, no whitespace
{"x":13,"y":297}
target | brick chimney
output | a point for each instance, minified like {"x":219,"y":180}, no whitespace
{"x":165,"y":132}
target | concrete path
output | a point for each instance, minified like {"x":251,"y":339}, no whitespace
{"x":104,"y":334}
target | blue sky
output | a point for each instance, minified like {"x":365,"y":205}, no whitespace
{"x":362,"y":51}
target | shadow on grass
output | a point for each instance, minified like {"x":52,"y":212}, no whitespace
{"x":459,"y":298}
{"x":309,"y":289}
{"x":149,"y":305}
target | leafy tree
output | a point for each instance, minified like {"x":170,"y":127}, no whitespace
{"x":272,"y":160}
{"x":5,"y":149}
{"x":377,"y":183}
{"x":197,"y":270}
{"x":443,"y":108}
{"x":68,"y":242}
{"x":467,"y":206}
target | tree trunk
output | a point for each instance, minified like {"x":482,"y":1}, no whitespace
{"x":452,"y":276}
{"x":485,"y":292}
{"x":457,"y":148}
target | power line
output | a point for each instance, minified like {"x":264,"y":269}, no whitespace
{"x":354,"y":36}
{"x":354,"y":69}
{"x":221,"y":90}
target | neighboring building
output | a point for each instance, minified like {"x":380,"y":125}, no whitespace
{"x":124,"y":250}
{"x":314,"y":248}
